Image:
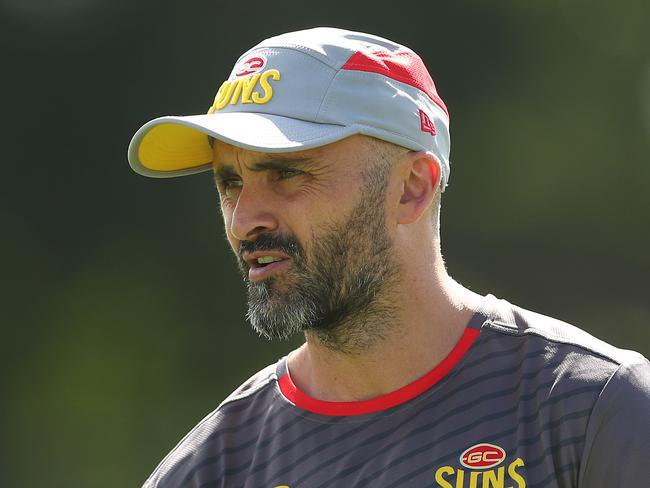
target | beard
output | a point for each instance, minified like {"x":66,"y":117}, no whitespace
{"x":340,"y":291}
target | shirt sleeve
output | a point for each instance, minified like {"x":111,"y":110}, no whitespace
{"x":617,"y":440}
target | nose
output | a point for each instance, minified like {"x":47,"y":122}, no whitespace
{"x":253,"y":213}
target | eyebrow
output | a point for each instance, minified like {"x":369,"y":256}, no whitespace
{"x":273,"y":163}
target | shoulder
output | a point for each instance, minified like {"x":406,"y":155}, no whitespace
{"x":205,"y":442}
{"x":591,"y":398}
{"x":558,"y":336}
{"x":258,"y":381}
{"x":573,"y":363}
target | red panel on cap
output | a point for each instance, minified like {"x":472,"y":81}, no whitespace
{"x":404,"y":66}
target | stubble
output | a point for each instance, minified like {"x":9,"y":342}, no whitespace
{"x":340,"y":293}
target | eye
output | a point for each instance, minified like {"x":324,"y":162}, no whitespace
{"x":229,"y":187}
{"x":287,"y":173}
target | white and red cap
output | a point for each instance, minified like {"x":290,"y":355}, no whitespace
{"x":302,"y":90}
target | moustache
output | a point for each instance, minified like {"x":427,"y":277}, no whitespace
{"x":272,"y":242}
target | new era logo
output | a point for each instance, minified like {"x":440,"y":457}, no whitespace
{"x":425,"y":123}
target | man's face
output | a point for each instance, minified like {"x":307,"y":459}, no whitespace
{"x":309,"y":232}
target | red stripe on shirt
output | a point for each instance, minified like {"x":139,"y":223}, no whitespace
{"x":397,"y":397}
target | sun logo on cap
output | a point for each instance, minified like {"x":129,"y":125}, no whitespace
{"x":251,"y":65}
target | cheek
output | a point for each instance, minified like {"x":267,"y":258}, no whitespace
{"x":319,"y":203}
{"x":226,"y":215}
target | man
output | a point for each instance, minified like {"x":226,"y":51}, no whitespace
{"x":330,"y":151}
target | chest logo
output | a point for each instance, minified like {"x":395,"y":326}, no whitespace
{"x":482,"y":466}
{"x":482,"y":456}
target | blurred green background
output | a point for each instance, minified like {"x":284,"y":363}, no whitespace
{"x":122,"y":310}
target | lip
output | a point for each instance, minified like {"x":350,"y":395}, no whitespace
{"x":259,"y":273}
{"x":252,"y":257}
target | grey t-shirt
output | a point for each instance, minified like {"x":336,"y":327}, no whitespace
{"x":522,"y":400}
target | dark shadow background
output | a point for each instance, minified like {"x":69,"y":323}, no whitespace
{"x":122,"y":311}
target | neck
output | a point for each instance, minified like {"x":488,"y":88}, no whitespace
{"x":407,"y":333}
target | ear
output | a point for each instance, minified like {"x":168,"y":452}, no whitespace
{"x":422,"y":177}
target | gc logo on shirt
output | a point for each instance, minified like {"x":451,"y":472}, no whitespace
{"x":482,"y":470}
{"x":479,"y":459}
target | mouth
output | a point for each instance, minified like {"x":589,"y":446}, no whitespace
{"x":262,"y":265}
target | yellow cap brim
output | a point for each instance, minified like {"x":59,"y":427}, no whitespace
{"x":170,"y":149}
{"x":178,"y":145}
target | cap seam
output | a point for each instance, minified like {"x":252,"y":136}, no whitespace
{"x":364,"y":74}
{"x":326,"y":102}
{"x":370,"y":74}
{"x":325,"y":97}
{"x":298,"y":47}
{"x":415,"y":141}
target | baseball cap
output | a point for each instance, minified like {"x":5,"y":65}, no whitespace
{"x":302,"y":90}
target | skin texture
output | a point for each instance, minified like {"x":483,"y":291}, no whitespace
{"x":356,"y":223}
{"x":337,"y":291}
